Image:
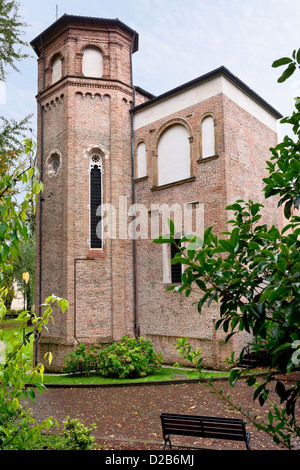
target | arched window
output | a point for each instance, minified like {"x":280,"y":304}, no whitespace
{"x":208,"y":138}
{"x":141,"y":161}
{"x":53,"y":163}
{"x":56,"y":68}
{"x":92,"y":62}
{"x":96,"y":171}
{"x":173,"y":155}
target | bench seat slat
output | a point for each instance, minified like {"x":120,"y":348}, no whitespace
{"x":229,"y":432}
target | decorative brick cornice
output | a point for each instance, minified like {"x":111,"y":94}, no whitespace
{"x":102,"y":87}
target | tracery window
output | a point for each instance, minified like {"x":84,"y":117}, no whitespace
{"x":53,"y":163}
{"x":96,"y":172}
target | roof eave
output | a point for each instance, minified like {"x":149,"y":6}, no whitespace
{"x":208,"y":76}
{"x":66,"y":20}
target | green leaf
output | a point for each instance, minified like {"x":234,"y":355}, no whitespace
{"x":64,"y":305}
{"x":234,"y":237}
{"x":171,"y":226}
{"x":15,"y":404}
{"x":278,"y":178}
{"x":227,"y":246}
{"x":201,"y":284}
{"x":36,"y":188}
{"x":282,"y":61}
{"x":282,"y":265}
{"x":163,"y":239}
{"x":287,"y":73}
{"x":251,"y":381}
{"x":202,"y":301}
{"x":234,"y":375}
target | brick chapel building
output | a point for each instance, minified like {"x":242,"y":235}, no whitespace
{"x":105,"y":147}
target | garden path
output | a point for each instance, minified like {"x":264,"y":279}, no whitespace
{"x":127,"y":417}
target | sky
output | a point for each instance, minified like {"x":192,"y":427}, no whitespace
{"x":179,"y":40}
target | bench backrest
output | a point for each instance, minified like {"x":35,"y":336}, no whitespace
{"x":204,"y":426}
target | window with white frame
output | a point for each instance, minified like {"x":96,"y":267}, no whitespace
{"x":141,"y":162}
{"x":96,"y":190}
{"x":208,"y":140}
{"x":171,"y":272}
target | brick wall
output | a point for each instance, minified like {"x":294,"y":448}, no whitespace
{"x":242,"y":147}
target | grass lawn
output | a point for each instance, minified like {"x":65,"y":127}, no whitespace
{"x":12,"y":333}
{"x":166,"y":373}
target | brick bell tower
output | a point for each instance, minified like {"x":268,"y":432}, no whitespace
{"x":84,"y":98}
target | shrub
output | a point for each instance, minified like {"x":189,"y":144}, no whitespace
{"x":82,"y":360}
{"x":76,"y":436}
{"x":126,"y":359}
{"x":129,"y":359}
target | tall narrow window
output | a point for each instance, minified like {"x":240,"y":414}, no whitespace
{"x":92,"y":62}
{"x":95,"y":202}
{"x":141,"y":160}
{"x":175,"y":268}
{"x":208,"y":137}
{"x":56,"y":68}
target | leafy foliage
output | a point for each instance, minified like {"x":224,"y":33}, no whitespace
{"x":26,"y":260}
{"x":128,"y":358}
{"x":76,"y":436}
{"x":82,"y":359}
{"x":18,"y":429}
{"x":17,"y":426}
{"x":292,"y":64}
{"x":11,"y":42}
{"x":280,"y":426}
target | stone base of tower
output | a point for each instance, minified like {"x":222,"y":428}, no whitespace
{"x":214,"y":351}
{"x":58,"y":350}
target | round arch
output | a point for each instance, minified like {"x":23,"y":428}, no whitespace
{"x":90,"y":149}
{"x":141,"y":160}
{"x":92,"y":61}
{"x":173,"y":159}
{"x":207,"y":135}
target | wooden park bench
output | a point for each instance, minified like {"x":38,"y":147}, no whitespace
{"x":203,"y":426}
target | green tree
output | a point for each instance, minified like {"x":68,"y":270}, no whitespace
{"x":25,"y":262}
{"x":17,"y":426}
{"x":12,"y":29}
{"x":253,"y":272}
{"x":18,"y":429}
